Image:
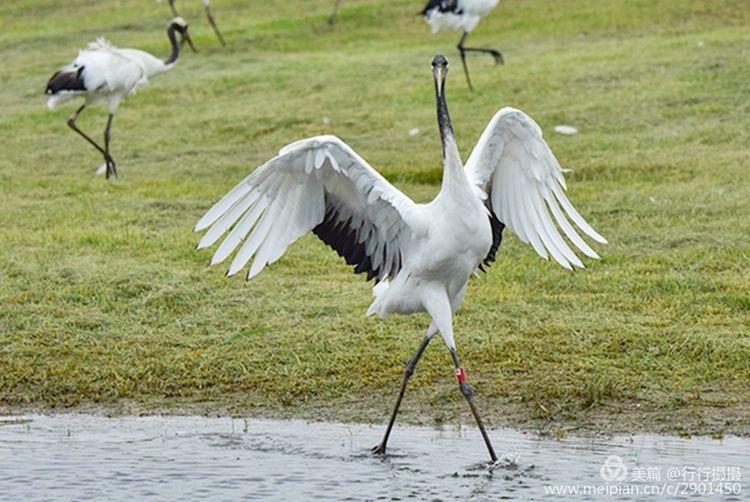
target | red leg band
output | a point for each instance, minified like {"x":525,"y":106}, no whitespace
{"x":460,"y":374}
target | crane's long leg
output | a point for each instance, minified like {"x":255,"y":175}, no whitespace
{"x":213,"y":23}
{"x":107,"y":157}
{"x":468,"y":392}
{"x":380,"y":449}
{"x":440,"y":308}
{"x":171,"y":6}
{"x":332,"y":17}
{"x":497,"y":55}
{"x":72,"y":125}
{"x":463,"y":59}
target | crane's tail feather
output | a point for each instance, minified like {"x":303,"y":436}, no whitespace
{"x":67,"y":79}
{"x":378,"y":291}
{"x":64,"y":85}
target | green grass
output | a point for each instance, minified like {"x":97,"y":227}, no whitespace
{"x":104,"y":300}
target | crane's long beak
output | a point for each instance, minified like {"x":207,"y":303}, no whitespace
{"x":439,"y":72}
{"x":213,"y":24}
{"x":186,"y":38}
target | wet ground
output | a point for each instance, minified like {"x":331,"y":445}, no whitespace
{"x":85,"y":457}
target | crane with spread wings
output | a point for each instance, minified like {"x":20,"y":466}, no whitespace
{"x":421,"y":255}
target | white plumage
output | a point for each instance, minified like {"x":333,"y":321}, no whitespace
{"x":514,"y":166}
{"x":108,"y":74}
{"x":289,"y":195}
{"x":422,"y":255}
{"x":457,"y":14}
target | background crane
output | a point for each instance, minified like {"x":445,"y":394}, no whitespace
{"x":461,"y":15}
{"x":104,"y":74}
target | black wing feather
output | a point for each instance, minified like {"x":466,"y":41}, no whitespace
{"x":497,"y":237}
{"x":441,"y":6}
{"x":344,"y":239}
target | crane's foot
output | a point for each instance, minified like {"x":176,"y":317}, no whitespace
{"x":497,"y":55}
{"x":379,"y":449}
{"x":110,"y":170}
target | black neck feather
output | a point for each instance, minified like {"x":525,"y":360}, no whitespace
{"x":444,"y":119}
{"x":175,"y":45}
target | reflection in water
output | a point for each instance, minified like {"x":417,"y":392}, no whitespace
{"x":83,"y":457}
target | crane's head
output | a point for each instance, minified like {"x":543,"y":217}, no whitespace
{"x":180,"y":26}
{"x":439,"y":71}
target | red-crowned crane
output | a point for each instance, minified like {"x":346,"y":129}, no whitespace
{"x":461,"y":15}
{"x":106,"y":74}
{"x":421,"y":255}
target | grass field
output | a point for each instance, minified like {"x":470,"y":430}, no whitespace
{"x":105,"y":304}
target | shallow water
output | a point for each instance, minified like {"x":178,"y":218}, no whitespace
{"x":84,"y":457}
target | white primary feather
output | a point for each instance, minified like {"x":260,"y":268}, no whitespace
{"x":514,"y":165}
{"x":289,"y":196}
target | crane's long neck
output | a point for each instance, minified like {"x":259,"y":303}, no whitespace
{"x":453,"y":174}
{"x":172,"y":59}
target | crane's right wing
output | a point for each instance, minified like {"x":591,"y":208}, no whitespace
{"x":317,"y":184}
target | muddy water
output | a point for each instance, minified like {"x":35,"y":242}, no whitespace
{"x":83,"y":457}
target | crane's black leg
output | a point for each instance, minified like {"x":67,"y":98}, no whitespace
{"x":171,"y":6}
{"x":380,"y":449}
{"x":107,"y":157}
{"x":72,"y":125}
{"x":213,"y":24}
{"x":461,"y":49}
{"x":332,"y":17}
{"x":497,"y":55}
{"x":468,"y":392}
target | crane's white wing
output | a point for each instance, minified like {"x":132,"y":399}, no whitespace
{"x":100,"y":72}
{"x":514,"y":166}
{"x":317,"y":184}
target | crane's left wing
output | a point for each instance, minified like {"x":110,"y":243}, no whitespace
{"x":317,"y":184}
{"x":514,"y":166}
